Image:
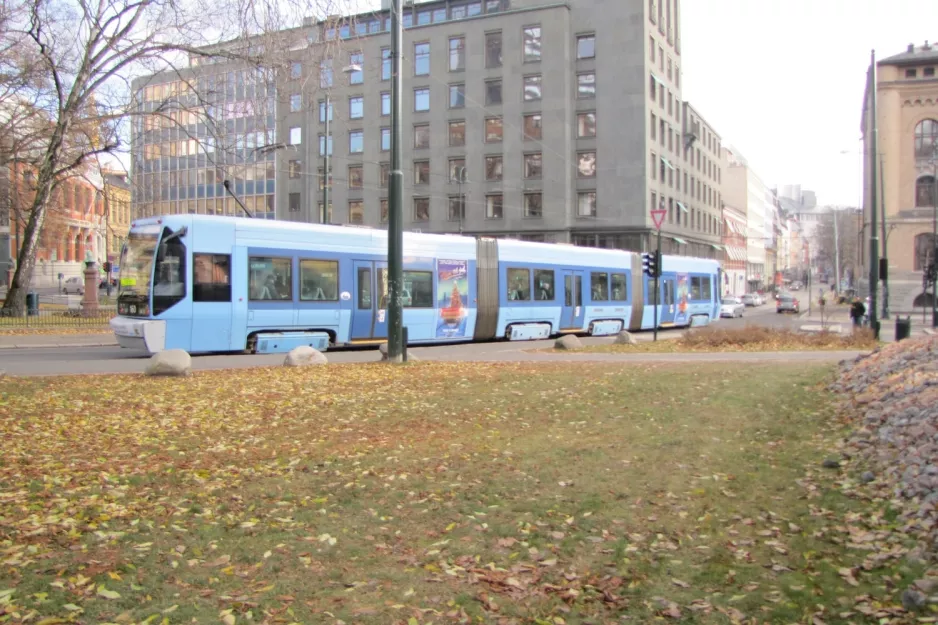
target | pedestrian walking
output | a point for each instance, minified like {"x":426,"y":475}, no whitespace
{"x":857,"y":312}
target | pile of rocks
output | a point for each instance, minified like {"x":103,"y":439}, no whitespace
{"x":893,"y":396}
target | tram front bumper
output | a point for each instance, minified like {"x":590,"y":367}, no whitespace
{"x":147,"y":335}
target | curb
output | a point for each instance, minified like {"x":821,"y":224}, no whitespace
{"x":49,"y":345}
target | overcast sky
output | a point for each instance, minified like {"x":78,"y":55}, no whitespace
{"x":782,"y":80}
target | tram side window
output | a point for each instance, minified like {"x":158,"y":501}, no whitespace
{"x":599,"y":286}
{"x":169,"y":287}
{"x":519,"y":285}
{"x":544,"y":284}
{"x":695,"y":288}
{"x":705,"y":289}
{"x":420,"y":286}
{"x":620,"y":292}
{"x":211,"y":278}
{"x":271,"y":279}
{"x":319,"y":280}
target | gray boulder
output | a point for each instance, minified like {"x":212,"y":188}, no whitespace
{"x":625,"y":338}
{"x":304,"y":356}
{"x":568,"y":342}
{"x":171,"y":362}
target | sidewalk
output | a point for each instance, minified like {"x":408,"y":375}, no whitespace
{"x":887,"y":328}
{"x":20,"y":341}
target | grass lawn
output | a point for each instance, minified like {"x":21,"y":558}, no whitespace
{"x":437,"y":493}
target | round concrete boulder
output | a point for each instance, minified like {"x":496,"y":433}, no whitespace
{"x":568,"y":342}
{"x":304,"y":356}
{"x":170,"y":362}
{"x":625,"y":338}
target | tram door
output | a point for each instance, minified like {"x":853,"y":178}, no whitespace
{"x":572,"y":313}
{"x":668,"y":299}
{"x":370,"y":312}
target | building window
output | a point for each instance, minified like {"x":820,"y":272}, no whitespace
{"x":493,"y":168}
{"x":294,"y":202}
{"x":457,"y":54}
{"x":385,"y":139}
{"x":385,"y":103}
{"x":924,"y":250}
{"x":532,"y":126}
{"x":928,"y":72}
{"x":384,"y":210}
{"x":457,"y":208}
{"x":585,"y":125}
{"x":493,"y":92}
{"x":586,"y":165}
{"x":586,"y":204}
{"x":586,"y":86}
{"x":296,"y":135}
{"x":421,"y":136}
{"x":925,"y":192}
{"x":296,"y":103}
{"x":532,"y":88}
{"x":532,"y":204}
{"x":356,"y":77}
{"x":356,"y":214}
{"x":457,"y":96}
{"x":532,"y":44}
{"x":910,"y":73}
{"x":421,"y":209}
{"x":422,"y":59}
{"x":295,"y":168}
{"x":355,"y":177}
{"x":532,"y":165}
{"x":356,"y":142}
{"x":421,"y":172}
{"x":296,"y":70}
{"x":356,"y":107}
{"x":325,"y":73}
{"x":384,"y":174}
{"x":457,"y":168}
{"x":493,"y":130}
{"x":457,"y":133}
{"x":586,"y":47}
{"x":385,"y":63}
{"x":322,"y":111}
{"x":493,"y":206}
{"x":926,"y":139}
{"x":493,"y":49}
{"x":422,"y":99}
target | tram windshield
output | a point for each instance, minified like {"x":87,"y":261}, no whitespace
{"x":136,"y":264}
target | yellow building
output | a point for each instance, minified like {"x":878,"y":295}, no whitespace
{"x":907,"y":128}
{"x":117,"y":211}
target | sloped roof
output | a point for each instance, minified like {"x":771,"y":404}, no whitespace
{"x":913,"y":54}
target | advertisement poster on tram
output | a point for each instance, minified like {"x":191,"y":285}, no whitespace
{"x":452,"y":298}
{"x":683,"y":297}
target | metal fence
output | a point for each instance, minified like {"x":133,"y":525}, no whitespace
{"x":51,"y":316}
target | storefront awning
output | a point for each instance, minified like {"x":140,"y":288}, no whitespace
{"x":680,"y":240}
{"x":716,"y":247}
{"x":667,"y":163}
{"x":658,"y":80}
{"x":681,"y":206}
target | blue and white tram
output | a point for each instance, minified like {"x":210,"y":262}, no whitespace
{"x":222,"y":284}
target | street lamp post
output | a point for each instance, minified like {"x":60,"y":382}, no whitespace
{"x":325,"y":165}
{"x":396,"y":196}
{"x":934,"y":238}
{"x":460,"y":180}
{"x":874,"y":235}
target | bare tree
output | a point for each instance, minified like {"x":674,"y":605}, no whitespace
{"x":840,"y":244}
{"x":66,"y":68}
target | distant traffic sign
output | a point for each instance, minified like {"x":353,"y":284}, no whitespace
{"x":657,"y":216}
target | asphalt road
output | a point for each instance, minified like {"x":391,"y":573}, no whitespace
{"x":41,"y":361}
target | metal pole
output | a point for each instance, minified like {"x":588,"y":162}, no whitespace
{"x":325,"y":168}
{"x":657,"y":294}
{"x":882,"y":209}
{"x":874,"y":242}
{"x":461,"y":173}
{"x":836,"y":253}
{"x":395,"y":195}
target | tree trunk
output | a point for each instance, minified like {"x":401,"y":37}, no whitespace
{"x":15,"y":303}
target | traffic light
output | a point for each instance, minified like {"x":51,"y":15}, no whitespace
{"x":651,"y":264}
{"x":107,"y":267}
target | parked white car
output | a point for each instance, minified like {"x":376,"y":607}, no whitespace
{"x":732,"y":307}
{"x":74,"y":285}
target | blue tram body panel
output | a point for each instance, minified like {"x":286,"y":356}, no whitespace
{"x":529,"y":288}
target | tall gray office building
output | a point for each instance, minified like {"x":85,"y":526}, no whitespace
{"x":534,"y":119}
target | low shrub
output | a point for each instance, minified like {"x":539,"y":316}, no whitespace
{"x":715,"y":337}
